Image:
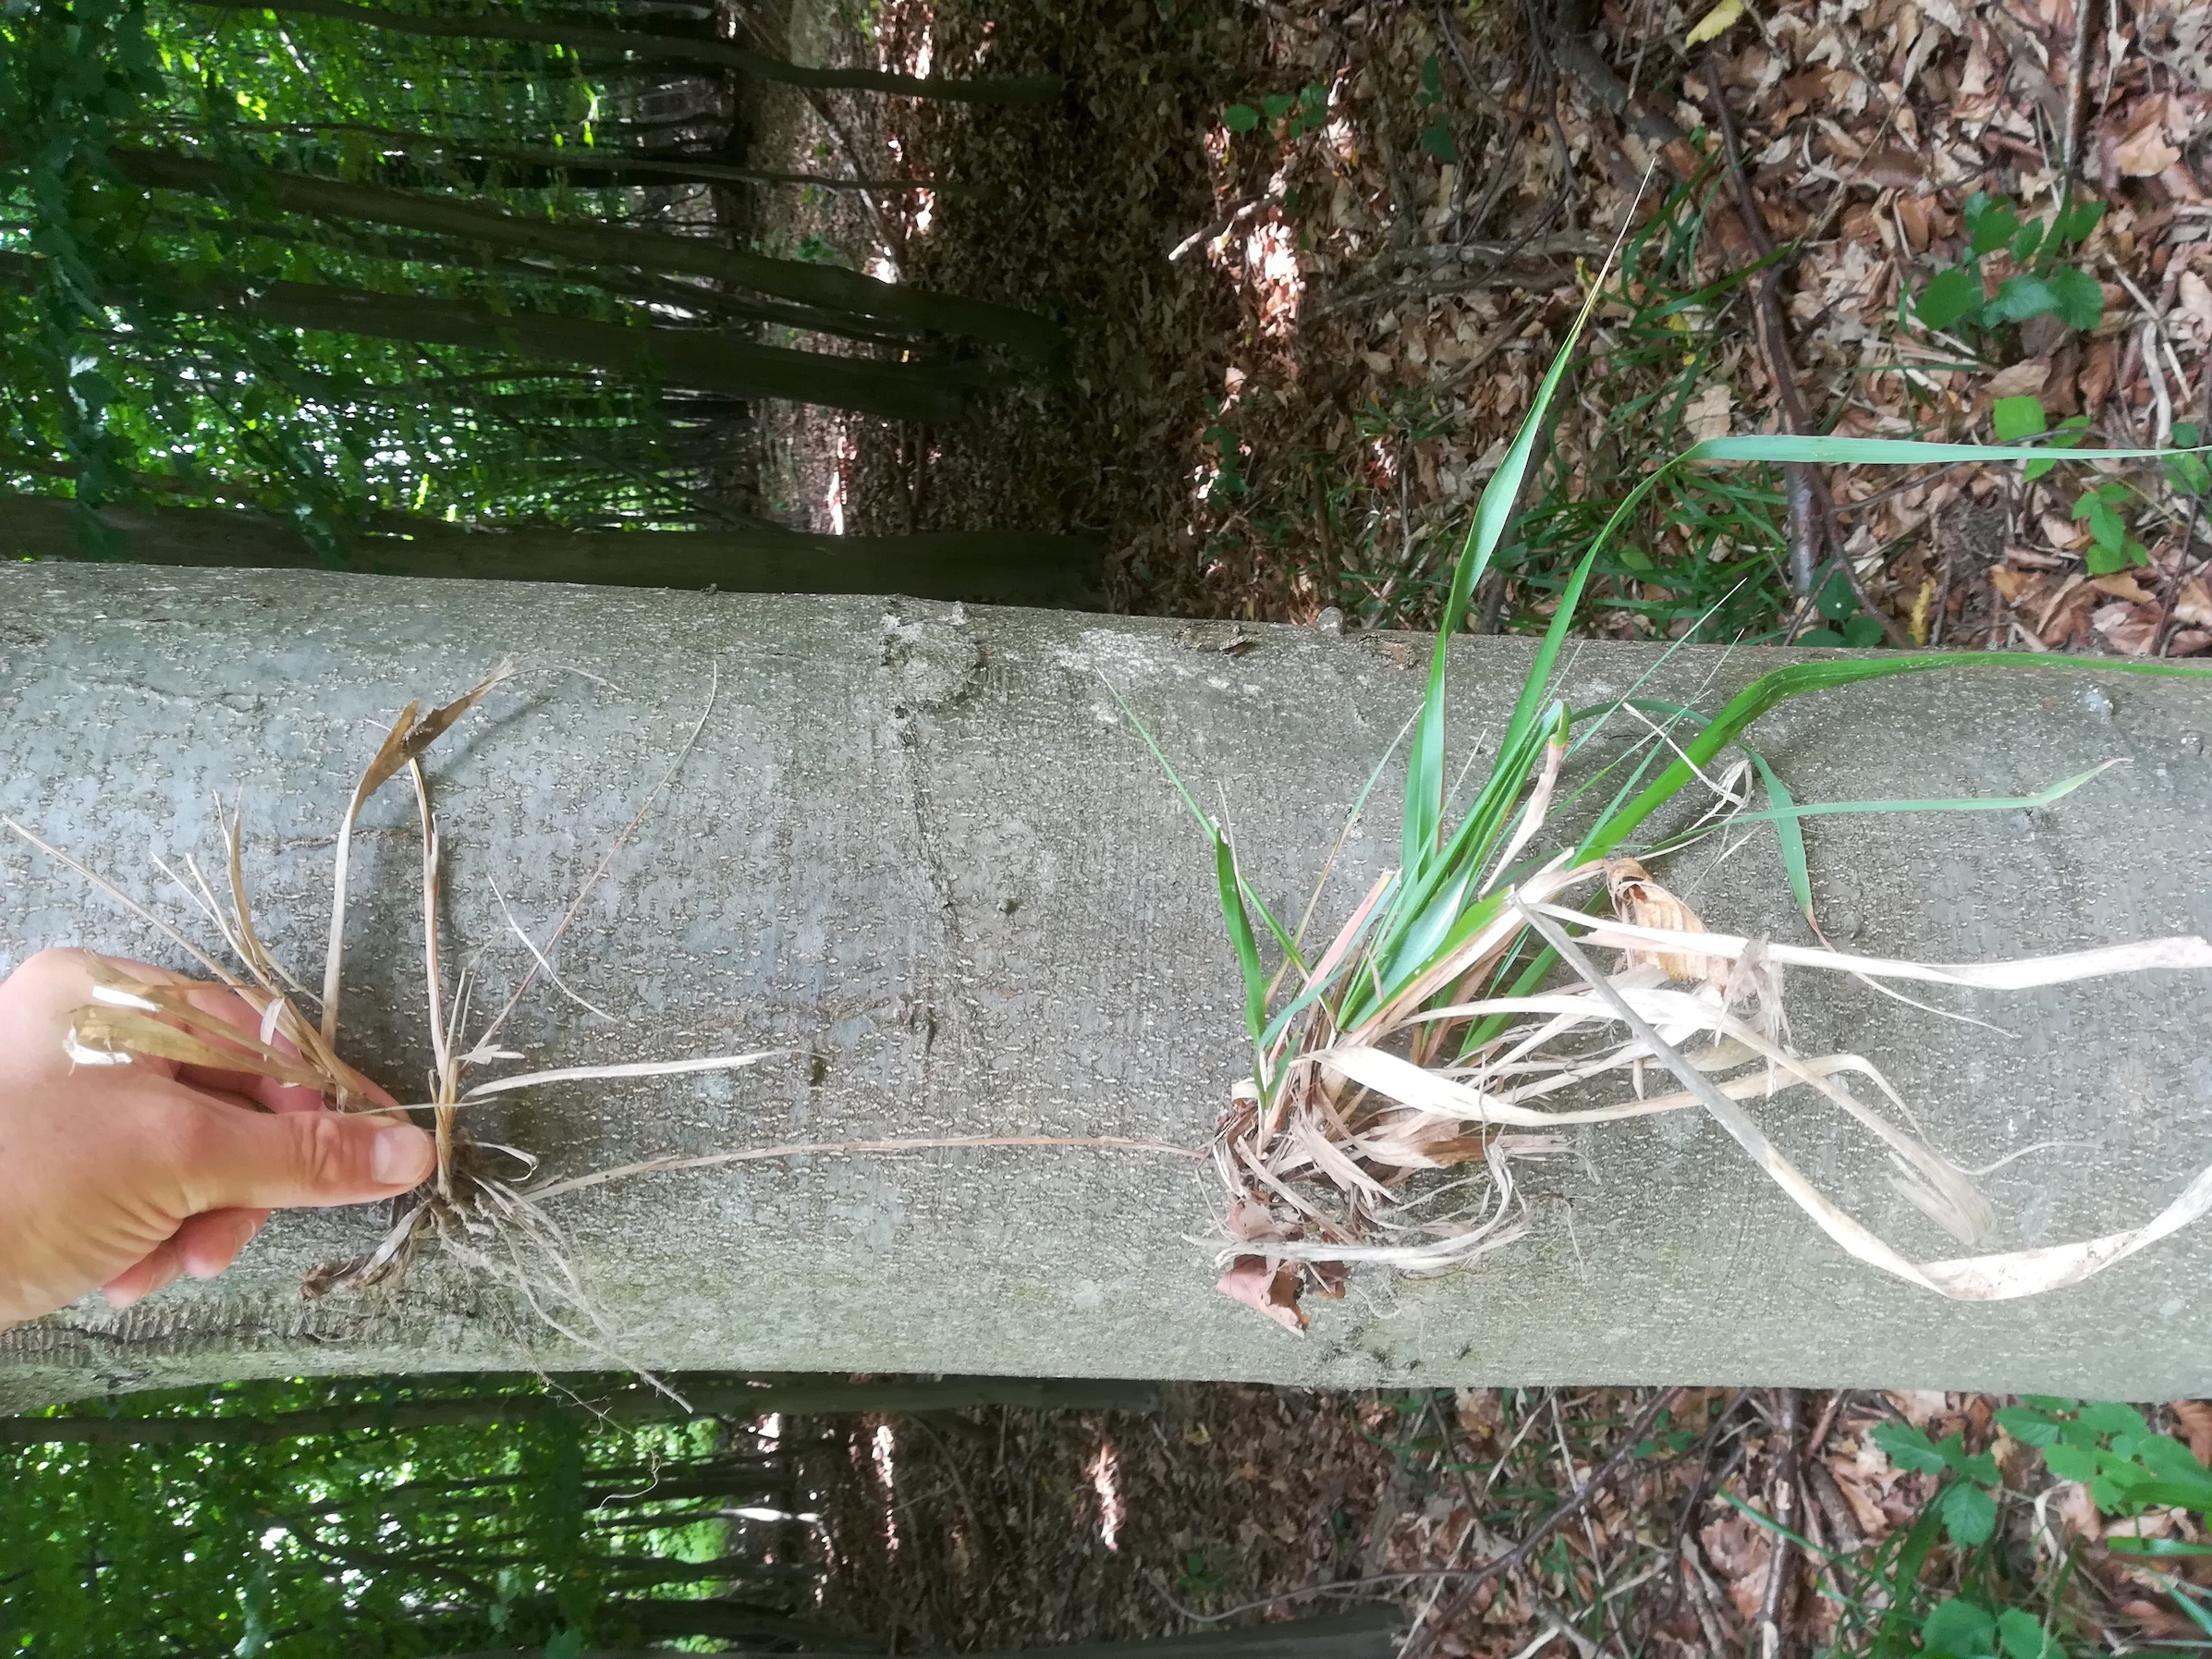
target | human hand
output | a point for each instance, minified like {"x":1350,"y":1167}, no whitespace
{"x":122,"y":1177}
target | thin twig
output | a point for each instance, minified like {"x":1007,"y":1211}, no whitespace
{"x":1419,"y":1645}
{"x":1772,"y":1627}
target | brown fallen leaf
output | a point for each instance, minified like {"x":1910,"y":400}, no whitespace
{"x":2021,"y":380}
{"x":2194,"y":603}
{"x":2132,"y":629}
{"x":1892,"y":168}
{"x":2143,"y":152}
{"x":2067,"y":611}
{"x":1739,"y":1552}
{"x":2119,"y":585}
{"x":2098,"y":373}
{"x":2062,"y":533}
{"x":2193,"y":1418}
{"x":1642,"y":902}
{"x":2021,"y":588}
{"x":1272,"y":1291}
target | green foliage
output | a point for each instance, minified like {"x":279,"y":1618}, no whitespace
{"x":2112,"y":543}
{"x":2042,"y":283}
{"x":1979,"y":1605}
{"x":125,"y":375}
{"x":1969,"y":1512}
{"x":1287,"y":114}
{"x":2110,"y":1448}
{"x":1437,"y":136}
{"x":361,"y":1545}
{"x":1198,"y":1578}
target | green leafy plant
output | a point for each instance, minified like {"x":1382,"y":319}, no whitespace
{"x":2102,"y":506}
{"x":1291,"y":115}
{"x":2127,"y":1470}
{"x":1838,"y":602}
{"x":1964,"y":1501}
{"x":2042,"y":283}
{"x":1960,"y":1628}
{"x":1198,"y":1578}
{"x":1437,"y":136}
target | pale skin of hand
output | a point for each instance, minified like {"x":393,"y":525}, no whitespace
{"x":123,"y":1178}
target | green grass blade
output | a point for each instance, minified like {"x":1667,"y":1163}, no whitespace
{"x":1206,"y":820}
{"x":1971,"y":803}
{"x":1898,"y":452}
{"x":1792,"y":836}
{"x":1241,"y":938}
{"x":1770,"y":689}
{"x":1315,"y":988}
{"x":1493,"y":517}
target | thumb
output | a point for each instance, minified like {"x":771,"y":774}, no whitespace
{"x":252,"y":1160}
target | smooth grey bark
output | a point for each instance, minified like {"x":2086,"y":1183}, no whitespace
{"x":923,"y":846}
{"x":1367,"y":1632}
{"x":997,"y":567}
{"x":830,"y":288}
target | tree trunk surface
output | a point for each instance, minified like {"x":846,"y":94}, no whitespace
{"x":923,"y":847}
{"x":1008,"y":567}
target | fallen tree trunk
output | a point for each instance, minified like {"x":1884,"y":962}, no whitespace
{"x":924,"y":849}
{"x":997,"y":567}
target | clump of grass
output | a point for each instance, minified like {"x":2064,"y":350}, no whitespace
{"x":1429,"y":1033}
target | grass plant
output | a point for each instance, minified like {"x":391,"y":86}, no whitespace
{"x":1427,"y":1034}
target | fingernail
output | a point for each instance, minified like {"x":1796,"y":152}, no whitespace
{"x":400,"y":1156}
{"x":123,"y":1299}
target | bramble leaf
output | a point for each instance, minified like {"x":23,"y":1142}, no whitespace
{"x":1949,"y":297}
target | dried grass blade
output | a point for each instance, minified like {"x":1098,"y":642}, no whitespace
{"x":1533,"y":813}
{"x":129,"y":903}
{"x":2020,"y":973}
{"x":126,"y":1031}
{"x":635,"y":1069}
{"x":1979,"y":1278}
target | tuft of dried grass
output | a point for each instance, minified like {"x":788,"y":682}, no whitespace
{"x":480,"y":1206}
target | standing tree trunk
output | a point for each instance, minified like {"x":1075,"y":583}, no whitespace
{"x":922,"y":849}
{"x":673,"y":48}
{"x":706,"y":360}
{"x":996,"y":567}
{"x":829,"y":289}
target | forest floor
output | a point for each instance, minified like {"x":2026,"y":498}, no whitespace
{"x":1010,"y":1529}
{"x":1315,"y":253}
{"x":1313,"y":256}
